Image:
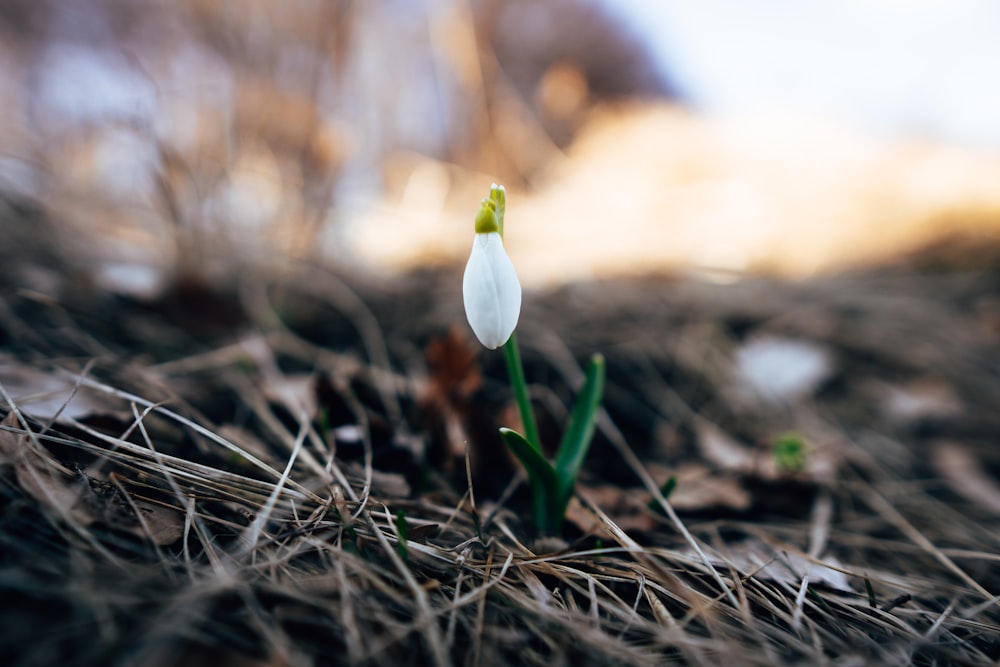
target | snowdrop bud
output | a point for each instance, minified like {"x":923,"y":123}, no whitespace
{"x":499,"y":198}
{"x":487,"y":220}
{"x":490,"y":287}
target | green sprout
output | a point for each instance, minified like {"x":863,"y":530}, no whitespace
{"x":492,"y":295}
{"x":790,"y":453}
{"x":665,"y":490}
{"x":403,"y":530}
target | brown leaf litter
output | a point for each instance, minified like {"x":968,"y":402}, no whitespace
{"x":242,"y":494}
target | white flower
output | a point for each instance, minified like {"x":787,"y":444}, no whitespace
{"x":491,"y":291}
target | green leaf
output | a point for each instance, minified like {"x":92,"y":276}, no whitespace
{"x":665,"y":490}
{"x":541,"y":477}
{"x":872,"y":602}
{"x":790,"y":453}
{"x":579,"y":432}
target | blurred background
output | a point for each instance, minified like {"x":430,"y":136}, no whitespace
{"x":171,"y":137}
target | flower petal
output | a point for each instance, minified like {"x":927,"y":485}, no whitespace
{"x":491,"y":291}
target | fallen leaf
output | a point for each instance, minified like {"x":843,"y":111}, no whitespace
{"x":114,"y":504}
{"x":81,"y":498}
{"x":964,"y":474}
{"x":820,"y":456}
{"x":922,"y":399}
{"x":699,"y":488}
{"x":454,"y":378}
{"x":451,"y":360}
{"x":769,"y":564}
{"x":722,"y":450}
{"x":43,"y":394}
{"x":418,"y":533}
{"x":162,"y":525}
{"x":626,"y":507}
{"x":295,"y":393}
{"x":41,"y":476}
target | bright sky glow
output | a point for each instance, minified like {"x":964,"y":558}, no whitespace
{"x":928,"y":67}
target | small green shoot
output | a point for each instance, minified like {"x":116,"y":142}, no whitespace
{"x":403,"y":531}
{"x":665,"y":490}
{"x":246,"y":365}
{"x":818,"y":599}
{"x":478,"y":526}
{"x":324,"y":424}
{"x":872,"y":600}
{"x":790,"y":453}
{"x":347,"y":525}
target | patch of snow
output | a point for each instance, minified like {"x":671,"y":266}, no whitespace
{"x":782,"y":369}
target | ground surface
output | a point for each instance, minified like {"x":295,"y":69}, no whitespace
{"x":221,"y":475}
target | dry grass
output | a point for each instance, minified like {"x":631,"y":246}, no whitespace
{"x":231,"y":495}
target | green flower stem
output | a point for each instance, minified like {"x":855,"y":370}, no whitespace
{"x":516,"y":372}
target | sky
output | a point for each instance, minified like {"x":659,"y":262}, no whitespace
{"x":889,"y":67}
